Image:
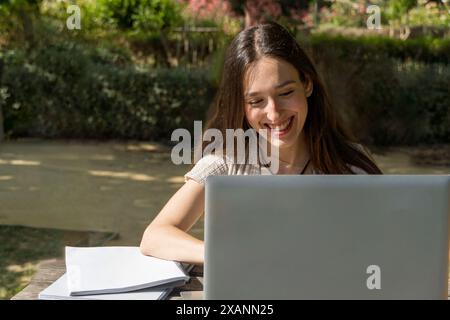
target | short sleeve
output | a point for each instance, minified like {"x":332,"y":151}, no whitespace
{"x":207,"y":166}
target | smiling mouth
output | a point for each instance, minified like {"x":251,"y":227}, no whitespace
{"x":281,"y":128}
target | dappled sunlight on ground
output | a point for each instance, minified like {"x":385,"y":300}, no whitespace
{"x":113,"y":186}
{"x":152,"y":147}
{"x":123,"y":175}
{"x":103,"y":157}
{"x":107,"y":186}
{"x":18,"y":162}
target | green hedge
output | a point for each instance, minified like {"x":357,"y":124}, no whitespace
{"x":427,"y":50}
{"x":390,"y":91}
{"x":69,"y":91}
{"x":402,"y":104}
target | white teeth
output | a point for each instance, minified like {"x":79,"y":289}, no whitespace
{"x":280,"y":127}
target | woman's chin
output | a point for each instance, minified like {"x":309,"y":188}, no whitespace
{"x":281,"y":143}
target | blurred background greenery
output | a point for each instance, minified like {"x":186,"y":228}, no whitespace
{"x":139,"y":69}
{"x":86,"y":114}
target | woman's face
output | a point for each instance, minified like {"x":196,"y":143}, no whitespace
{"x":275,"y":99}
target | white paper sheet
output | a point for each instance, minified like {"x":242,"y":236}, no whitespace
{"x":96,"y":270}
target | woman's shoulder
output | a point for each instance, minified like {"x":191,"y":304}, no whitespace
{"x":208,"y":165}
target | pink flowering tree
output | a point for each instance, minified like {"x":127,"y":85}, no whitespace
{"x":252,"y":11}
{"x":208,"y":9}
{"x":256,"y":11}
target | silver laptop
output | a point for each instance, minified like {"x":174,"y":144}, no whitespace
{"x":327,"y":237}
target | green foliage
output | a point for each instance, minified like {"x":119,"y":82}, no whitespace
{"x":14,"y":5}
{"x":352,"y":13}
{"x":118,"y":12}
{"x":157,"y":15}
{"x":67,"y":90}
{"x":344,"y":14}
{"x":397,"y":9}
{"x":74,"y":91}
{"x":391,"y":92}
{"x":142,"y":15}
{"x":13,"y":9}
{"x":428,"y":50}
{"x":430,"y":15}
{"x":19,"y":15}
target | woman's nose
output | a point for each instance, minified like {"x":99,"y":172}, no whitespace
{"x":272,"y":110}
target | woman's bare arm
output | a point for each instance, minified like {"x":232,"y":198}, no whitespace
{"x":166,"y":237}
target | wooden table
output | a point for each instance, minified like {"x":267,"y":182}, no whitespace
{"x":50,"y":270}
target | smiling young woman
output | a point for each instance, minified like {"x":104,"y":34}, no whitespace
{"x":269,"y":83}
{"x":267,"y":79}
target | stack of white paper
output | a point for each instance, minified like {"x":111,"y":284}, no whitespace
{"x":115,"y":273}
{"x":59,"y":290}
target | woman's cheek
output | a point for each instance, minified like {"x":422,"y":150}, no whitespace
{"x":298,"y":104}
{"x":253,"y":118}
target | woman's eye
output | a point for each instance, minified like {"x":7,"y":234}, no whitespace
{"x":287,"y":93}
{"x":252,"y":103}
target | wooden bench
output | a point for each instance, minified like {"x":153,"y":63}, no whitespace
{"x":50,"y":270}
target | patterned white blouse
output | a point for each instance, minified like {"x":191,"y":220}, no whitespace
{"x":221,"y":165}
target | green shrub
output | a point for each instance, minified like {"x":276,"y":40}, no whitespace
{"x":388,"y":92}
{"x":69,"y":91}
{"x":148,"y":16}
{"x":428,"y":50}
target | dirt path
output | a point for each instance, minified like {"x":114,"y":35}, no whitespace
{"x":112,"y":186}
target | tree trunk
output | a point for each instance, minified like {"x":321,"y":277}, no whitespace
{"x":316,"y":13}
{"x":2,"y":131}
{"x":166,"y":46}
{"x":27,"y":25}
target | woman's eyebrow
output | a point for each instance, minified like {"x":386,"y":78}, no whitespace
{"x":250,"y":94}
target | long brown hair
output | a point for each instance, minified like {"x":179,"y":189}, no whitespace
{"x":331,"y":146}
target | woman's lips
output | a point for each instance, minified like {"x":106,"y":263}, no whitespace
{"x":280,"y":129}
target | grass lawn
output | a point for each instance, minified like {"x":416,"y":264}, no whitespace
{"x":22,"y":248}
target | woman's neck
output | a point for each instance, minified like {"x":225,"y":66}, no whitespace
{"x":294,"y":157}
